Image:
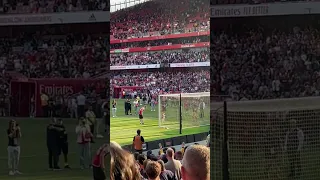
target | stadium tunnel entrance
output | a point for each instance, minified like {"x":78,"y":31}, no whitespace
{"x":21,"y":94}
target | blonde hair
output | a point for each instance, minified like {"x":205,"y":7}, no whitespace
{"x":122,"y":164}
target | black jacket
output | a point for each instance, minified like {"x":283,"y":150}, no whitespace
{"x":52,"y":136}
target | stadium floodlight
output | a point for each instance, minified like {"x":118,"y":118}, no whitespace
{"x":185,"y":110}
{"x":257,"y":137}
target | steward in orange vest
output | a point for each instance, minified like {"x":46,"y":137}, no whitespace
{"x":138,"y":141}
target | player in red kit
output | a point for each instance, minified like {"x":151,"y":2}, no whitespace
{"x":98,"y":163}
{"x":141,"y":114}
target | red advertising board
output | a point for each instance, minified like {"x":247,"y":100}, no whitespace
{"x":22,"y":91}
{"x":168,"y":36}
{"x":161,"y":48}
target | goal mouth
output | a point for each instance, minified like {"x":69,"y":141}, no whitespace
{"x":184,"y":111}
{"x":258,"y":136}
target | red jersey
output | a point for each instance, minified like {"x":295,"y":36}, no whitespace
{"x":102,"y":152}
{"x":141,"y":111}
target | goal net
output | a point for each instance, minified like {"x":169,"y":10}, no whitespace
{"x":263,"y":141}
{"x":195,"y":110}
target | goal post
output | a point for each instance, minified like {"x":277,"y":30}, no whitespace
{"x":259,"y":136}
{"x":186,"y":110}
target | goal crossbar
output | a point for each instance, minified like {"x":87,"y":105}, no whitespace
{"x":187,"y":95}
{"x":305,"y":103}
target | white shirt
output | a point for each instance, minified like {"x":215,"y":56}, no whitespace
{"x":81,"y":100}
{"x":73,"y":102}
{"x":203,"y":105}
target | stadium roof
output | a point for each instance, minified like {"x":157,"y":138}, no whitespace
{"x":122,"y":4}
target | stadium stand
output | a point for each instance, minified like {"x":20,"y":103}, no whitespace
{"x":131,"y":25}
{"x":65,"y":49}
{"x":274,"y":61}
{"x":50,"y":53}
{"x":187,"y":40}
{"x":160,"y":17}
{"x":197,"y":81}
{"x":273,"y":64}
{"x":52,"y":6}
{"x":67,"y":56}
{"x":159,"y":57}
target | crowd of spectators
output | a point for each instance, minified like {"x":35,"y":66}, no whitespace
{"x":160,"y":57}
{"x":154,"y":82}
{"x":168,"y":164}
{"x":160,"y":16}
{"x":161,"y":42}
{"x":43,"y":55}
{"x":261,"y":64}
{"x":52,"y":6}
{"x":222,"y":2}
{"x":48,"y":57}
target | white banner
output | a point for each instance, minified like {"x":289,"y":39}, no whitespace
{"x":274,"y":9}
{"x":196,"y":64}
{"x":148,"y":66}
{"x":55,"y":18}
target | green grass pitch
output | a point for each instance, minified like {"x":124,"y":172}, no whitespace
{"x":34,"y":163}
{"x":124,"y":127}
{"x":34,"y":158}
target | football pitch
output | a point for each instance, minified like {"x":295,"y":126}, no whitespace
{"x":34,"y":158}
{"x":124,"y":127}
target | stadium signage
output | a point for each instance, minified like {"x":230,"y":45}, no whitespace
{"x":169,"y":36}
{"x":196,"y":64}
{"x":148,"y":66}
{"x":242,"y":11}
{"x":55,"y":18}
{"x":54,"y":86}
{"x":273,"y":9}
{"x":56,"y":90}
{"x":161,"y":48}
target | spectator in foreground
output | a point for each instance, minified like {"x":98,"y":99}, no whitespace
{"x":153,"y":170}
{"x":179,"y":156}
{"x":173,"y":165}
{"x":122,"y":164}
{"x":99,"y":162}
{"x":196,"y":171}
{"x":141,"y":159}
{"x":165,"y":174}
